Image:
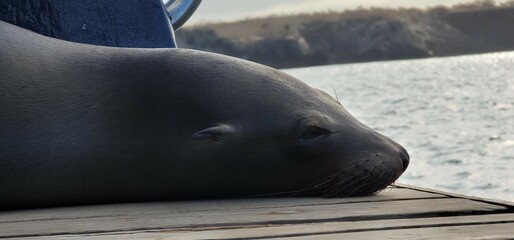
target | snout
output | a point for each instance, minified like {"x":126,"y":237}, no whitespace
{"x":404,"y":156}
{"x":369,"y":163}
{"x":389,"y":152}
{"x":393,"y":150}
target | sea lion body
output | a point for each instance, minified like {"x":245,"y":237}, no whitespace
{"x":83,"y":124}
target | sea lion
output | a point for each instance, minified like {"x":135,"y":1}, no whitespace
{"x":84,"y":124}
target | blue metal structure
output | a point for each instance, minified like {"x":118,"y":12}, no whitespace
{"x":120,"y":23}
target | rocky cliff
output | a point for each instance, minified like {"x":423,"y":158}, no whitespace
{"x":359,"y":35}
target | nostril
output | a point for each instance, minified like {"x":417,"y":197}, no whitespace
{"x":404,"y":155}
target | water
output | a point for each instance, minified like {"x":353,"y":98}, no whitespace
{"x":454,"y":115}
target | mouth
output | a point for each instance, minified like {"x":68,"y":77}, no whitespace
{"x":370,"y":176}
{"x":359,"y":181}
{"x":367,"y":173}
{"x":364,"y":179}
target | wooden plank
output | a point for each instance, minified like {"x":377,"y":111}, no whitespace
{"x":455,"y":195}
{"x":200,"y":206}
{"x":162,"y":218}
{"x":485,"y":231}
{"x":315,"y":229}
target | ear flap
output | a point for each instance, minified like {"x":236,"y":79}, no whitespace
{"x":213,"y":133}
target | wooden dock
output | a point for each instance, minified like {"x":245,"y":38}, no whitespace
{"x":401,"y":212}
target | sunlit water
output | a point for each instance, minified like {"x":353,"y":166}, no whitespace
{"x":454,"y":115}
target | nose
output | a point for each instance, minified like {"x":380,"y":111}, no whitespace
{"x":381,"y":145}
{"x":394,"y":148}
{"x":404,"y":156}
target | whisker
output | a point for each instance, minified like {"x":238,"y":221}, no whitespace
{"x":299,"y":191}
{"x":364,"y":181}
{"x":335,"y":93}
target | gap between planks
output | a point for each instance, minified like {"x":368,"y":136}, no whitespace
{"x":241,"y":217}
{"x":238,"y":214}
{"x":311,"y":230}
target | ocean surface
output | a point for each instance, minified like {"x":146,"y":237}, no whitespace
{"x":454,"y":115}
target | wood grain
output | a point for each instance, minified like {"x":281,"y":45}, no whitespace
{"x":399,"y":227}
{"x":145,"y":217}
{"x":400,"y":211}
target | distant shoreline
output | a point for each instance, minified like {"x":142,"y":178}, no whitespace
{"x":404,"y":59}
{"x":359,"y":35}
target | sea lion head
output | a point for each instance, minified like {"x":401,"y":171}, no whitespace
{"x":280,"y":137}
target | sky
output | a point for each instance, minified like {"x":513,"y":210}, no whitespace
{"x":230,"y":10}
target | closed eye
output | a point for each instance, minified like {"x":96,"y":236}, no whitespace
{"x":313,"y":134}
